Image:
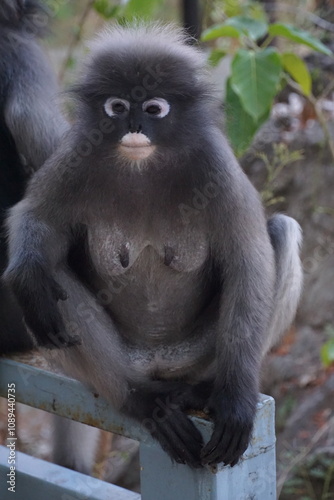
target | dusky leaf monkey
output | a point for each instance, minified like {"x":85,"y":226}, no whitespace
{"x":177,"y":284}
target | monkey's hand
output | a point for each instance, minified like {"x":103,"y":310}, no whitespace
{"x":161,"y":413}
{"x":233,"y":424}
{"x":38,"y":293}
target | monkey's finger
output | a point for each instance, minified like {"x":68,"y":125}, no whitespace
{"x":237,"y":448}
{"x":181,"y":440}
{"x":230,"y":452}
{"x":61,"y":340}
{"x":185,"y":427}
{"x":219,"y":439}
{"x":74,"y":340}
{"x":188,"y":451}
{"x":165,"y":443}
{"x":190,"y":441}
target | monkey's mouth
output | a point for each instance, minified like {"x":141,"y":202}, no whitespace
{"x":136,"y":146}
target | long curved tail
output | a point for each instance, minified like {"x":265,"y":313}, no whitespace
{"x":286,"y":237}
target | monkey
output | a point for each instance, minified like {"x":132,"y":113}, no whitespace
{"x":178,"y":284}
{"x":30,"y":129}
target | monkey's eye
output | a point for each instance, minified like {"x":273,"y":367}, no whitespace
{"x":156,"y":107}
{"x":116,"y":107}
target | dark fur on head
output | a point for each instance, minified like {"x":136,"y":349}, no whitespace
{"x":124,"y":55}
{"x":144,"y":62}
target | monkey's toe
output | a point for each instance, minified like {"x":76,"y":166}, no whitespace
{"x":227,"y":444}
{"x":181,"y":440}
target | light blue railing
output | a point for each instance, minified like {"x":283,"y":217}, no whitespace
{"x":254,"y":478}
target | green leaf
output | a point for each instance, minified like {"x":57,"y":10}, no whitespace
{"x":299,"y":36}
{"x":255,"y":11}
{"x":232,"y":8}
{"x":218,"y":31}
{"x":255,"y":78}
{"x":240,"y":126}
{"x":105,"y":8}
{"x":141,"y":9}
{"x":248,"y":26}
{"x":235,"y":27}
{"x":296,"y":67}
{"x":215,"y":56}
{"x":327,"y":353}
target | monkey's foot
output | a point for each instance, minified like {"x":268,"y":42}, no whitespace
{"x":232,"y":431}
{"x":162,"y":416}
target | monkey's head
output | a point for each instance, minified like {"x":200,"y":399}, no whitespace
{"x":152,"y":86}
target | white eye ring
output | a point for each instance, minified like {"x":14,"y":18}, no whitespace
{"x":111,"y":104}
{"x":156,"y":107}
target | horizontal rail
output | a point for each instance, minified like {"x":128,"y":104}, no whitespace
{"x":40,"y":480}
{"x":254,"y":477}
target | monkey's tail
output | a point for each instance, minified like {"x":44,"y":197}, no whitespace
{"x":75,"y":444}
{"x":23,"y":15}
{"x":286,"y":238}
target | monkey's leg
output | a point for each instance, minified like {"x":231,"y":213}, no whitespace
{"x":98,"y":362}
{"x":102,"y":362}
{"x":286,"y":237}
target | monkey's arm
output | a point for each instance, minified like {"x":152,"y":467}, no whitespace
{"x":31,"y":111}
{"x":37,"y":244}
{"x":243,"y":254}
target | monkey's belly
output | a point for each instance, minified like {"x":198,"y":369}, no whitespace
{"x":191,"y":360}
{"x":152,"y":303}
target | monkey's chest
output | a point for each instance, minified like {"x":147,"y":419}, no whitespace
{"x":115,"y":251}
{"x":152,"y":284}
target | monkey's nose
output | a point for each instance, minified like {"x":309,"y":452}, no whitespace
{"x":135,"y":127}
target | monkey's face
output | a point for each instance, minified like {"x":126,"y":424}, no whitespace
{"x":137,"y":121}
{"x":157,"y":101}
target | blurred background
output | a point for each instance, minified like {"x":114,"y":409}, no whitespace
{"x":280,"y":124}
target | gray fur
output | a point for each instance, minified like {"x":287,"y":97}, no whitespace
{"x":32,"y":112}
{"x":75,"y":444}
{"x":286,"y":237}
{"x":178,"y":286}
{"x":31,"y":127}
{"x":28,"y":85}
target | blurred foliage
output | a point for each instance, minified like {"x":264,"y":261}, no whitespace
{"x":312,"y":480}
{"x":129,"y":10}
{"x":284,"y":411}
{"x":327,"y":350}
{"x":66,"y":14}
{"x":105,"y":9}
{"x":280,"y":159}
{"x":259,"y":70}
